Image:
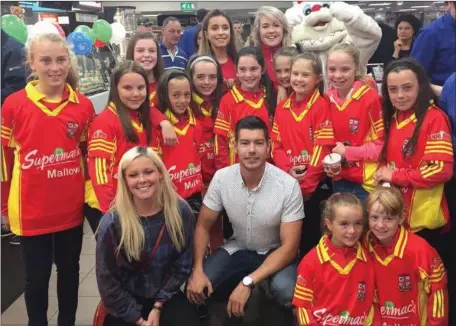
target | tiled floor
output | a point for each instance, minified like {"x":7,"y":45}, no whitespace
{"x":88,"y":291}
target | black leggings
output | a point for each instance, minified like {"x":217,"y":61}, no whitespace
{"x":93,"y":216}
{"x":177,"y":311}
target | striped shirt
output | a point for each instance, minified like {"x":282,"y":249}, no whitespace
{"x":178,"y":60}
{"x":255,"y":214}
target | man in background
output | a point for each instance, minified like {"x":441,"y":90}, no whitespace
{"x":144,"y":25}
{"x":187,"y":43}
{"x":173,"y":56}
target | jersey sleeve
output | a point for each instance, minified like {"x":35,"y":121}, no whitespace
{"x":222,"y":124}
{"x":438,"y":140}
{"x":303,"y":297}
{"x":8,"y":110}
{"x":156,"y":117}
{"x":323,"y":125}
{"x":433,"y":274}
{"x":101,"y":154}
{"x":278,"y":154}
{"x":428,"y":175}
{"x":376,"y":119}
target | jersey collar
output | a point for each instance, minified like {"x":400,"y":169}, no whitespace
{"x":174,"y":120}
{"x":356,"y":95}
{"x":199,"y":101}
{"x":137,"y":126}
{"x":292,"y":100}
{"x":35,"y":95}
{"x":238,"y":97}
{"x":399,"y":247}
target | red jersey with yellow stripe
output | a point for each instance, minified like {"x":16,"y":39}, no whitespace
{"x":422,"y":175}
{"x":335,"y":286}
{"x":156,"y":116}
{"x":411,"y":281}
{"x":47,"y":185}
{"x":356,"y":122}
{"x":302,"y":133}
{"x":183,"y":160}
{"x":107,"y":144}
{"x":207,"y":146}
{"x":235,"y":105}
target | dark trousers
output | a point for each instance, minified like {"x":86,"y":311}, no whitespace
{"x":450,"y":192}
{"x":177,"y":311}
{"x":38,"y":252}
{"x":93,"y":216}
{"x":311,"y":224}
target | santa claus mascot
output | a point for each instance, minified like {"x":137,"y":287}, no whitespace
{"x":318,"y":26}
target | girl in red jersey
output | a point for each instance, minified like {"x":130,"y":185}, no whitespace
{"x":358,"y":126}
{"x":252,"y":95}
{"x":410,"y":277}
{"x":46,"y":123}
{"x":207,"y":84}
{"x":143,"y":49}
{"x":418,"y":151}
{"x":282,"y":67}
{"x":302,"y":135}
{"x":335,"y":283}
{"x":124,"y":124}
{"x":219,"y":41}
{"x":183,"y":160}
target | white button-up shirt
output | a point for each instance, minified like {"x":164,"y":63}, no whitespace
{"x":255,"y":214}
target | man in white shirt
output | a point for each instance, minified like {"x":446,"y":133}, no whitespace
{"x":265,"y":207}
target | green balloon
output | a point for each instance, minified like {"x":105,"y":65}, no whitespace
{"x":15,"y":27}
{"x":102,"y":30}
{"x":87,"y":31}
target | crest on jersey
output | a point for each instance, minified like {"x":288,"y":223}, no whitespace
{"x":361,"y":291}
{"x":99,"y":134}
{"x":353,"y":125}
{"x":72,"y":128}
{"x":404,"y":283}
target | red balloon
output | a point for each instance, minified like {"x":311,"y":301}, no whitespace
{"x":59,"y":28}
{"x":99,"y":44}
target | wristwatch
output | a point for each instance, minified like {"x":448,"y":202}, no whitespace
{"x":248,"y":282}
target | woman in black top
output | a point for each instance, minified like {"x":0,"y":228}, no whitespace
{"x":406,"y":27}
{"x":144,"y":247}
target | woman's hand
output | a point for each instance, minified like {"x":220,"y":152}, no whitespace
{"x":339,"y":149}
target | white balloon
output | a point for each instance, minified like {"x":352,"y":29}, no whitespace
{"x":118,"y":33}
{"x":43,"y":27}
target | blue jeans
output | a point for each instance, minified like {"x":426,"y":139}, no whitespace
{"x":225,"y":271}
{"x":351,"y":187}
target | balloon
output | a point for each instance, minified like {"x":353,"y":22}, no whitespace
{"x":99,"y":44}
{"x":43,"y":27}
{"x":80,"y":43}
{"x":59,"y":29}
{"x":15,"y":27}
{"x":102,"y":30}
{"x":86,"y":30}
{"x":118,"y":33}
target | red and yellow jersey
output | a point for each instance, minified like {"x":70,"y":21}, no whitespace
{"x":183,"y":160}
{"x":421,"y":176}
{"x":235,"y":105}
{"x":47,"y":183}
{"x":207,"y":146}
{"x":301,"y":134}
{"x":156,"y":116}
{"x":107,"y":144}
{"x":356,"y":122}
{"x":411,"y":281}
{"x":335,"y":286}
{"x":7,"y":157}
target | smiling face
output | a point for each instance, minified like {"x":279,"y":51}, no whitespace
{"x":142,"y":178}
{"x":303,"y":80}
{"x":403,"y":89}
{"x":132,"y":89}
{"x":218,"y":32}
{"x":271,"y":31}
{"x":341,"y":71}
{"x":179,"y":93}
{"x":249,"y":73}
{"x":252,"y":148}
{"x":145,"y":53}
{"x":205,"y":77}
{"x":51,"y":63}
{"x":282,"y":67}
{"x":382,"y":225}
{"x":347,"y":226}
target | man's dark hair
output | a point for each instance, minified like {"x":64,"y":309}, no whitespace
{"x":251,"y":122}
{"x":201,"y":14}
{"x":170,"y":19}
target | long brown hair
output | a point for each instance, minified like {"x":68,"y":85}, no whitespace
{"x":130,"y":55}
{"x":163,"y":88}
{"x":126,"y":67}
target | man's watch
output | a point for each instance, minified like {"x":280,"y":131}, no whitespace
{"x":248,"y":282}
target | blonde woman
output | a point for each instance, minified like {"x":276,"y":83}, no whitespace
{"x":270,"y":32}
{"x":144,"y":247}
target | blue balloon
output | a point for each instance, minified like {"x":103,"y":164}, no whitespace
{"x":80,"y":43}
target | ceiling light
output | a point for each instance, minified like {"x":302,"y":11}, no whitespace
{"x":403,"y":10}
{"x":380,"y":4}
{"x":417,"y":7}
{"x":400,"y":3}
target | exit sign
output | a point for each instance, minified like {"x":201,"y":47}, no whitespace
{"x":187,"y":6}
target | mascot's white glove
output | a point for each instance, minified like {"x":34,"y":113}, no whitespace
{"x":294,"y":15}
{"x":343,"y":11}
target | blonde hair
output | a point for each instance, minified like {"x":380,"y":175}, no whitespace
{"x":389,"y":198}
{"x":352,"y":51}
{"x":73,"y":77}
{"x":336,"y":200}
{"x":272,"y":12}
{"x":132,"y":233}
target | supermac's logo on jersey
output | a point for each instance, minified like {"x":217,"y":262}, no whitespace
{"x":72,"y":128}
{"x":99,"y":134}
{"x":361,"y":291}
{"x":404,"y":283}
{"x":353,"y":125}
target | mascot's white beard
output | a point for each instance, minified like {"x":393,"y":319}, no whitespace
{"x":319,"y":38}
